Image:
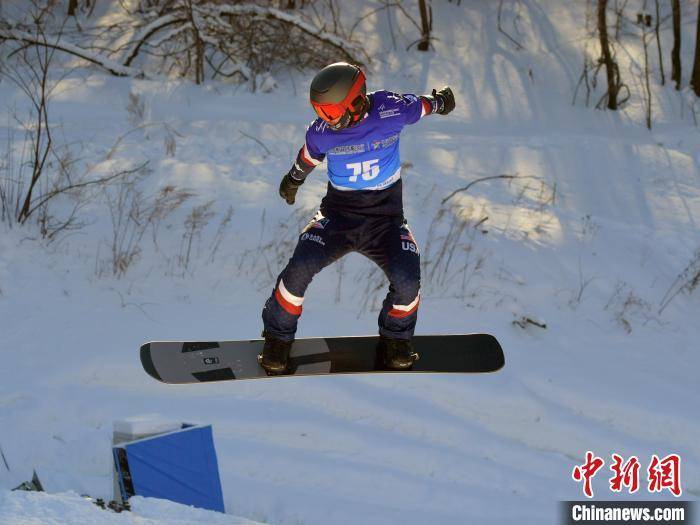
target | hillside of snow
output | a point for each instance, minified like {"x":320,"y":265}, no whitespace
{"x":587,"y":225}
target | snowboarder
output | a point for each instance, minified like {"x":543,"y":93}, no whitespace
{"x":361,"y":212}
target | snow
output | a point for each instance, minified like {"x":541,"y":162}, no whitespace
{"x":588,"y":238}
{"x":38,"y":508}
{"x":143,"y":425}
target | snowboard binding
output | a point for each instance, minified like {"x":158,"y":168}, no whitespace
{"x":396,"y":354}
{"x":274,"y":358}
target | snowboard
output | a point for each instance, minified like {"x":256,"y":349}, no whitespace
{"x":181,"y":362}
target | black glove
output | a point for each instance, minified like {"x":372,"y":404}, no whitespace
{"x":445,"y":99}
{"x":289,"y":187}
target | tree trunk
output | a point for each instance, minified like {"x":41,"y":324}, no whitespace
{"x":198,"y":46}
{"x":424,"y":44}
{"x":676,"y":51}
{"x":658,"y":43}
{"x":72,"y":7}
{"x":646,"y":78}
{"x":695,"y":79}
{"x":610,"y":66}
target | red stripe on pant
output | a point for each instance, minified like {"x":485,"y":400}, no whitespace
{"x":402,"y":313}
{"x":286,"y":305}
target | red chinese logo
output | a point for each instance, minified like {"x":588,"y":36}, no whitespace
{"x":626,"y":474}
{"x":586,"y":472}
{"x":665,"y":474}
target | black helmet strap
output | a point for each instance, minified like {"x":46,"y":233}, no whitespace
{"x":351,"y":118}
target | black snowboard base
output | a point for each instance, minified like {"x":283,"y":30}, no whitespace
{"x":181,"y":362}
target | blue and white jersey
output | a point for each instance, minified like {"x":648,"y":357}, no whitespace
{"x":365,"y":156}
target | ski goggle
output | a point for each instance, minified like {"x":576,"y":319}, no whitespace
{"x":341,"y":114}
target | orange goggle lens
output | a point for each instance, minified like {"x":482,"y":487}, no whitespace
{"x":352,"y":102}
{"x":329,"y":112}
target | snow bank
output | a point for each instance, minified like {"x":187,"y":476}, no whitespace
{"x":68,"y":508}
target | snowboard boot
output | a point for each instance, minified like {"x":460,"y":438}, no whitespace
{"x":275,"y":355}
{"x":398,"y":354}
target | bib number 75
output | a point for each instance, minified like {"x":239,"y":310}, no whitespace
{"x":368,"y":169}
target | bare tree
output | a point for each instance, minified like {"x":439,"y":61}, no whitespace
{"x":426,"y":20}
{"x":196,"y":37}
{"x":658,"y":43}
{"x":611,"y":68}
{"x":46,"y":170}
{"x":198,"y":44}
{"x":695,"y":77}
{"x":647,"y":86}
{"x":676,"y":51}
{"x":235,"y":40}
{"x":32,"y":77}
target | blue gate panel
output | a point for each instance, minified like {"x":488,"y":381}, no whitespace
{"x":178,"y":466}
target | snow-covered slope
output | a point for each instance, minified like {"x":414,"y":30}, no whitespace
{"x":22,"y":508}
{"x":587,"y":234}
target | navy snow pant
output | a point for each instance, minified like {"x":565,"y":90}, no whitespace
{"x":386,"y":240}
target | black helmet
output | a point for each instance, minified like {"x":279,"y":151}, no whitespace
{"x":339,"y":95}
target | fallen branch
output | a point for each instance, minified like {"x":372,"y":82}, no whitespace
{"x":2,"y":455}
{"x":148,"y":31}
{"x":351,"y":50}
{"x":251,"y":137}
{"x":466,"y":188}
{"x":524,"y":321}
{"x":500,"y":28}
{"x":115,"y":68}
{"x":481,"y":221}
